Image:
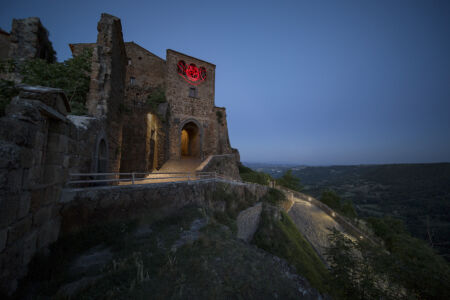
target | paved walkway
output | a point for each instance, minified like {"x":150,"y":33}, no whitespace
{"x":184,"y":165}
{"x":313,"y":223}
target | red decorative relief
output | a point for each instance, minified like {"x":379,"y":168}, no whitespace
{"x":191,"y":73}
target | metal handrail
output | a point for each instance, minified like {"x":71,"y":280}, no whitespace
{"x":132,"y":179}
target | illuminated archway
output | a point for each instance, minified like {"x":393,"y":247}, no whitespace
{"x":190,"y":140}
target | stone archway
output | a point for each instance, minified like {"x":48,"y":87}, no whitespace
{"x":191,"y":144}
{"x":102,"y":159}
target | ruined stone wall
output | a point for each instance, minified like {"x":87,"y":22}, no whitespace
{"x":29,"y":39}
{"x":107,"y":87}
{"x":223,"y":141}
{"x":4,"y":45}
{"x":39,"y":147}
{"x":33,"y":169}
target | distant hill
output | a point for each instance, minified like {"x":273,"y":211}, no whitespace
{"x":419,"y":194}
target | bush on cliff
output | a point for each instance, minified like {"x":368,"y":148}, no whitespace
{"x":335,"y":202}
{"x":277,"y":234}
{"x":250,"y":175}
{"x":290,"y":181}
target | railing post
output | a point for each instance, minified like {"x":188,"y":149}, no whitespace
{"x":132,"y":178}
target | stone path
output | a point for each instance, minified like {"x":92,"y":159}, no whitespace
{"x":313,"y":223}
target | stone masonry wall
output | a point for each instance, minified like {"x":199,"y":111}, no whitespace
{"x":81,"y":208}
{"x":39,"y":147}
{"x":183,"y":107}
{"x":33,"y":169}
{"x":107,"y":87}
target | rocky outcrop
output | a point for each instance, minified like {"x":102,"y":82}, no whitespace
{"x":248,"y":222}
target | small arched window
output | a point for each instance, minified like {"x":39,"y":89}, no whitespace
{"x":202,"y":72}
{"x":181,"y":67}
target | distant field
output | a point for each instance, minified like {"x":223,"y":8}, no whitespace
{"x":419,"y":194}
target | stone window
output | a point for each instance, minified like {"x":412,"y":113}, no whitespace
{"x":129,"y":61}
{"x":132,"y":81}
{"x":202,"y":72}
{"x":181,"y":67}
{"x":193,"y":92}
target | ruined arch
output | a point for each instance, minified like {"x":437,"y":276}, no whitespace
{"x":101,"y":158}
{"x":191,"y":139}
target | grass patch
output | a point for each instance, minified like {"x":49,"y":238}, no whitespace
{"x":282,"y":238}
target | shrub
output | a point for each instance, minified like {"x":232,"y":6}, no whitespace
{"x":250,"y":175}
{"x":7,"y":91}
{"x":290,"y":181}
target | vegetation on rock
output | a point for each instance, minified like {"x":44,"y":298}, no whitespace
{"x":290,"y":181}
{"x":72,"y":76}
{"x":409,"y":269}
{"x":250,"y":175}
{"x":7,"y":91}
{"x":138,"y":260}
{"x":277,"y":234}
{"x":344,"y":207}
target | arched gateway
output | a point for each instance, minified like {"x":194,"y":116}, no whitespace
{"x":191,"y":142}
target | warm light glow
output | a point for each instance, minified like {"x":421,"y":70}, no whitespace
{"x":184,"y":142}
{"x":333,"y":214}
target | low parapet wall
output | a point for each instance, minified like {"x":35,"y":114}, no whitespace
{"x":84,"y":207}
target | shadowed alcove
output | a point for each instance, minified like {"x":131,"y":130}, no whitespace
{"x":190,"y":141}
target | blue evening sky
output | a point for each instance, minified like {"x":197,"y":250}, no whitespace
{"x":307,"y":82}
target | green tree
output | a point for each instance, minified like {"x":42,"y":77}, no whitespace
{"x":335,"y":202}
{"x":72,"y":76}
{"x":290,"y":181}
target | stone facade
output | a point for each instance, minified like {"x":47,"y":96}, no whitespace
{"x":41,"y":144}
{"x":150,"y":138}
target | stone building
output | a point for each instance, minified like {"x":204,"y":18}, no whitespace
{"x":185,"y":126}
{"x":144,"y":114}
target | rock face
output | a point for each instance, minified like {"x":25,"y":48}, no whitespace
{"x":29,"y":39}
{"x":107,"y":87}
{"x":248,"y":221}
